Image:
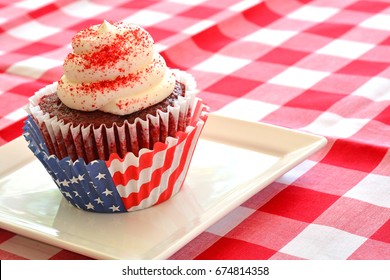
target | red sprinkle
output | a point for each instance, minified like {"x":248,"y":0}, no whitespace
{"x":108,"y":55}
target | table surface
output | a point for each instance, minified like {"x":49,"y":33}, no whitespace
{"x":317,"y":66}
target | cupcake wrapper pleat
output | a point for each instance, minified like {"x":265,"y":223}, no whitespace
{"x":86,"y":186}
{"x":126,"y":183}
{"x":155,"y":175}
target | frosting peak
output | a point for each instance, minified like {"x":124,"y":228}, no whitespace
{"x":114,"y":68}
{"x":105,"y":27}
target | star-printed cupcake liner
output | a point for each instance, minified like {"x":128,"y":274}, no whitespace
{"x":122,"y":184}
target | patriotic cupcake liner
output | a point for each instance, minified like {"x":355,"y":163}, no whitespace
{"x":121,"y":177}
{"x":122,"y":184}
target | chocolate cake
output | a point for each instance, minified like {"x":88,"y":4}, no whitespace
{"x":52,"y":105}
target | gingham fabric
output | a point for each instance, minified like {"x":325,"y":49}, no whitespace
{"x":316,"y":66}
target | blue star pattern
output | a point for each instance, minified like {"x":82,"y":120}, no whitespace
{"x":87,"y":186}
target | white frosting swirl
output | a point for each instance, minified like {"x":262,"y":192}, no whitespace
{"x":114,"y":68}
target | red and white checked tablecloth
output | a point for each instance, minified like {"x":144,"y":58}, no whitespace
{"x":316,"y":66}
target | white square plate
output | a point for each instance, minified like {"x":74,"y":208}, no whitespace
{"x":234,"y":160}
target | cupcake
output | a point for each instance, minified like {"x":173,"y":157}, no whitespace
{"x":118,"y":130}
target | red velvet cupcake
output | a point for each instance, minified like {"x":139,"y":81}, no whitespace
{"x":118,"y":105}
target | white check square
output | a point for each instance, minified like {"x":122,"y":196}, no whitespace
{"x":249,"y":110}
{"x":33,"y":5}
{"x":329,"y":124}
{"x":312,"y":13}
{"x":243,"y":5}
{"x":32,"y":31}
{"x":298,"y":77}
{"x":16,"y":115}
{"x":198,"y":27}
{"x":84,"y":9}
{"x":345,"y":48}
{"x":374,"y":189}
{"x":230,"y":221}
{"x":379,"y":21}
{"x":221,"y":64}
{"x":191,"y":3}
{"x":291,"y":176}
{"x":270,"y":37}
{"x":318,"y":242}
{"x":147,"y":18}
{"x":376,"y":89}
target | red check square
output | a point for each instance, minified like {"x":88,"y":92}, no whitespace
{"x":315,"y":100}
{"x":47,"y":9}
{"x":383,"y":167}
{"x":263,"y":196}
{"x":5,"y":235}
{"x":384,"y":116}
{"x":68,"y":255}
{"x":328,"y":29}
{"x":386,"y":42}
{"x":233,"y":86}
{"x":179,"y":56}
{"x":364,"y":68}
{"x":36,"y":48}
{"x":368,"y":6}
{"x":383,"y":233}
{"x":283,"y":56}
{"x":299,"y":204}
{"x":12,"y":131}
{"x":139,"y":5}
{"x":355,"y":156}
{"x":229,"y":249}
{"x":212,"y":39}
{"x":261,"y":15}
